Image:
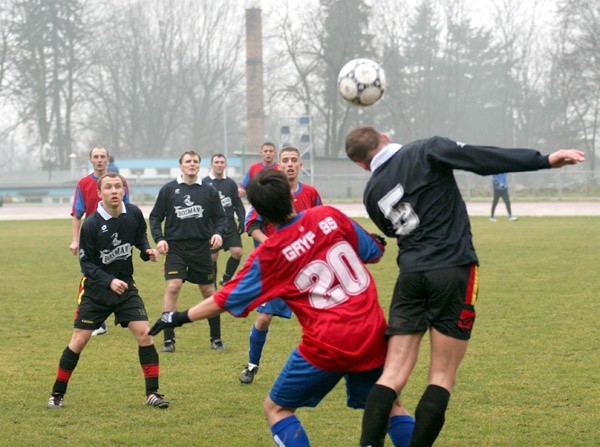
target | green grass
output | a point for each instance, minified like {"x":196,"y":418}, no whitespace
{"x":530,"y":377}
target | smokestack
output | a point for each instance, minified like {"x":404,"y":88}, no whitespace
{"x":255,"y":130}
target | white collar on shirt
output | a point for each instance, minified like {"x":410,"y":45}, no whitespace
{"x":180,"y":180}
{"x":384,"y":155}
{"x":105,"y":214}
{"x":212,"y":176}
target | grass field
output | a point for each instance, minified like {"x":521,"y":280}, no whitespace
{"x":531,"y":376}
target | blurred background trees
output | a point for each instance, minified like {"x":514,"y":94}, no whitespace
{"x":152,"y":78}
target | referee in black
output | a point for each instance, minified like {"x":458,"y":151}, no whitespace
{"x":412,"y":196}
{"x":233,"y":206}
{"x":194,"y":223}
{"x":105,"y":254}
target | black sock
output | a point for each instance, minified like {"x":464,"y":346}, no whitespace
{"x":215,"y":268}
{"x":66,"y":365}
{"x":169,"y":334}
{"x":377,"y":414}
{"x":150,"y":367}
{"x":232,"y":265}
{"x":430,"y":416}
{"x":215,"y":327}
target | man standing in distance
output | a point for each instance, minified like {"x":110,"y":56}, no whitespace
{"x":412,"y":196}
{"x":194,"y":224}
{"x":304,"y":197}
{"x":86,"y":202}
{"x":232,"y":204}
{"x":268,"y":154}
{"x":106,"y":257}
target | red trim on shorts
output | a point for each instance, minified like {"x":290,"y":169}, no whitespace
{"x":150,"y":370}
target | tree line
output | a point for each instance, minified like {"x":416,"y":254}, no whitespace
{"x":154,"y":77}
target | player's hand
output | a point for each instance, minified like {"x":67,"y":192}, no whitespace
{"x":162,"y":247}
{"x":241,"y":227}
{"x":563,"y":157}
{"x":153,"y":253}
{"x":118,"y":286}
{"x":74,"y":247}
{"x":216,"y":241}
{"x":379,"y":238}
{"x":167,"y":319}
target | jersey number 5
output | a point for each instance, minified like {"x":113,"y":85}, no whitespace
{"x":401,"y":215}
{"x":317,"y":277}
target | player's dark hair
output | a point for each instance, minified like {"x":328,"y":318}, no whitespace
{"x":361,"y":143}
{"x":192,"y":153}
{"x":270,"y":194}
{"x":217,"y":156}
{"x":110,"y":175}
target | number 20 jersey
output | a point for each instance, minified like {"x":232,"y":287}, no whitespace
{"x":316,"y":265}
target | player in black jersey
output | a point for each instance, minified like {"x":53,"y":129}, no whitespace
{"x":233,"y":206}
{"x":194,"y":224}
{"x":106,"y":256}
{"x":412,"y":196}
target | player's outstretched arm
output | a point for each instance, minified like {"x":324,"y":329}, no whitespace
{"x":563,"y":157}
{"x":205,"y":309}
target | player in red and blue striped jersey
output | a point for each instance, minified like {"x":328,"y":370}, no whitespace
{"x":268,"y":154}
{"x":304,"y":197}
{"x":315,"y":261}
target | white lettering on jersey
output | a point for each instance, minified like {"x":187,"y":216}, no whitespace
{"x":299,"y":246}
{"x":121,"y":252}
{"x":225,"y":201}
{"x":327,"y":225}
{"x":401,"y":215}
{"x":193,"y":212}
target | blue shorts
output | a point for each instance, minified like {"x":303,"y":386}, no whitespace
{"x":301,"y":384}
{"x":276,"y":307}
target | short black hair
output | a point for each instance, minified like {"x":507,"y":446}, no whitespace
{"x":270,"y":194}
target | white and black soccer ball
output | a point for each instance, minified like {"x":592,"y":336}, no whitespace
{"x":361,"y":82}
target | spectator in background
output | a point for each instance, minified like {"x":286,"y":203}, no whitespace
{"x":112,"y":167}
{"x":500,"y":184}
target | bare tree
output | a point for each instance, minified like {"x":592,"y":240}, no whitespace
{"x":577,"y":65}
{"x":44,"y":61}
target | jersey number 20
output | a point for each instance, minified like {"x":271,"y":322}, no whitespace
{"x":317,"y":277}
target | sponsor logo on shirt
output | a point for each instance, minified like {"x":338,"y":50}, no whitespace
{"x":121,"y":252}
{"x":192,"y":212}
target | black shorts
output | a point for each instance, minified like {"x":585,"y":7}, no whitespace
{"x":190,"y":261}
{"x":97,"y":303}
{"x":231,"y":238}
{"x":443,"y":299}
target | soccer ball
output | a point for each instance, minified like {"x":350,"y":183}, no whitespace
{"x":361,"y":82}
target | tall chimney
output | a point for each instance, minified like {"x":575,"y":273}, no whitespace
{"x":255,"y":130}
